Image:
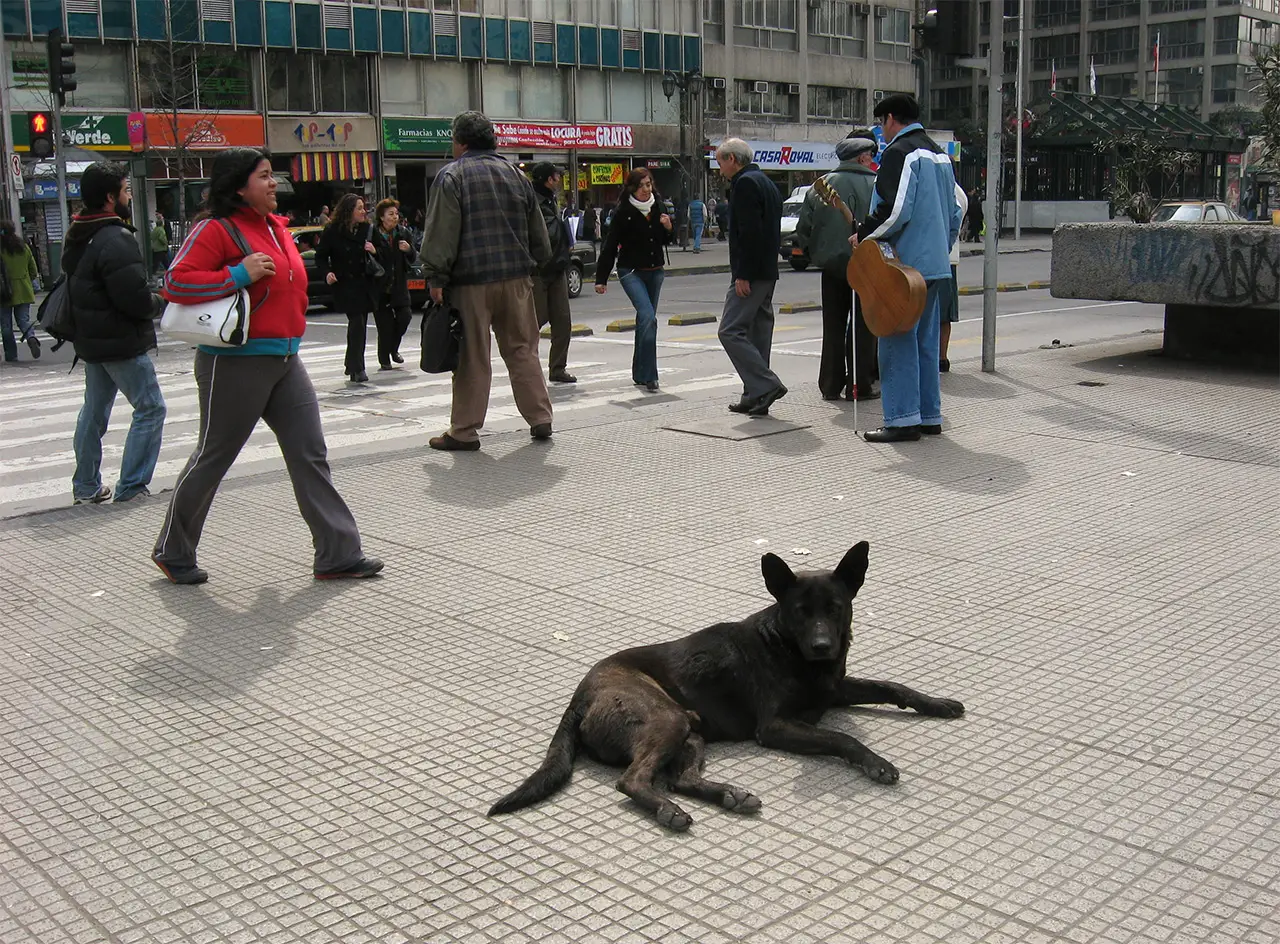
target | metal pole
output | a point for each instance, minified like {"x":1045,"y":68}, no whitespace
{"x":11,"y":186}
{"x":1017,"y":166}
{"x":990,"y":247}
{"x":60,"y":162}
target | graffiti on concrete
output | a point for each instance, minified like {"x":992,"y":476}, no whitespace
{"x":1246,"y":271}
{"x":1236,"y":267}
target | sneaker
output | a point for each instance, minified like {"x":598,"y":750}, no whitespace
{"x":103,"y":494}
{"x":364,"y":567}
{"x":34,"y":343}
{"x":143,"y":492}
{"x":188,"y":575}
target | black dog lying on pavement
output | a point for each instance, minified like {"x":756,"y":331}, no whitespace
{"x":769,"y":677}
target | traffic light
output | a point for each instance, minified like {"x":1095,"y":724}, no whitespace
{"x":40,"y":133}
{"x":62,"y":67}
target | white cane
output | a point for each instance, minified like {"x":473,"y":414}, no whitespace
{"x":853,"y":347}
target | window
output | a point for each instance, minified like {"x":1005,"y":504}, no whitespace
{"x":837,"y":29}
{"x":417,"y":87}
{"x":1124,"y":85}
{"x":713,"y":21}
{"x":1231,"y":86}
{"x":767,"y":24}
{"x":102,"y":73}
{"x":833,"y":103}
{"x":1114,"y":45}
{"x":952,"y":104}
{"x":1046,"y":13}
{"x":776,"y":102}
{"x":1183,"y":39}
{"x":1175,"y":6}
{"x":1182,"y":86}
{"x":1062,"y":52}
{"x":1113,"y":9}
{"x":525,"y":92}
{"x":713,"y":102}
{"x":197,"y":79}
{"x":893,"y":36}
{"x":312,"y":83}
{"x":593,"y":95}
{"x":450,"y":87}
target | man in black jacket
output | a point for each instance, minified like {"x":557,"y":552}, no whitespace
{"x":551,"y":283}
{"x":113,"y":312}
{"x":746,"y":328}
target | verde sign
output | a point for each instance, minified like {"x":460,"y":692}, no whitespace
{"x":416,"y":135}
{"x":91,"y":132}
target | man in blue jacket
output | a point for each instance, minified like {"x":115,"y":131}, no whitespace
{"x":746,"y":327}
{"x":914,"y":210}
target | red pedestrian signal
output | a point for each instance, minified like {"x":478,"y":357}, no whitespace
{"x":40,"y":133}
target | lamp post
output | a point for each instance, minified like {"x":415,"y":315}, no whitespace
{"x":690,"y":86}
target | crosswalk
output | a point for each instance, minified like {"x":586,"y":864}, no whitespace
{"x":397,"y":409}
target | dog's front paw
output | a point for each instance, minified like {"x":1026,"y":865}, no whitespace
{"x":740,"y":801}
{"x":673,"y":818}
{"x":942,"y":708}
{"x":879,"y":769}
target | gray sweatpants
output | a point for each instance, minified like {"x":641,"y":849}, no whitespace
{"x":746,"y":333}
{"x":235,"y":392}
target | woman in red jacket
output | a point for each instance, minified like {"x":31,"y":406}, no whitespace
{"x":262,"y":379}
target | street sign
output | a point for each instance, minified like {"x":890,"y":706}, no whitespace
{"x":15,"y":168}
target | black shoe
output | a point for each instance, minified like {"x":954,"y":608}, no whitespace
{"x":386,"y":367}
{"x":892,"y":434}
{"x":364,"y":567}
{"x":359,"y":377}
{"x":741,"y":406}
{"x":766,"y":400}
{"x":562,"y":377}
{"x":395,"y":356}
{"x":541,"y":431}
{"x":186,"y":576}
{"x":34,"y":343}
{"x":944,"y":366}
{"x":447,"y":443}
{"x":931,"y":429}
{"x":652,"y":386}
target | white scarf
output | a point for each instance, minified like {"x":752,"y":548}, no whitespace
{"x":644,"y":206}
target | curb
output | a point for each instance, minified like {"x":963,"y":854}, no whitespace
{"x":622,"y":324}
{"x":1011,"y":287}
{"x":792,"y":308}
{"x":693,"y":318}
{"x":697,"y":270}
{"x":1041,"y":284}
{"x":579,"y":331}
{"x":970,"y":253}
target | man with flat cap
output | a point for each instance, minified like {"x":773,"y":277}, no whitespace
{"x":824,"y":235}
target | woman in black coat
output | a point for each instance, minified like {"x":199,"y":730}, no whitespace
{"x":391,"y":311}
{"x":342,"y":261}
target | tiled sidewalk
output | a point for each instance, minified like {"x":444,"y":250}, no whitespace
{"x":1091,"y":569}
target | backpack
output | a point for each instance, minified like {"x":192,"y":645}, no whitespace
{"x":54,"y":314}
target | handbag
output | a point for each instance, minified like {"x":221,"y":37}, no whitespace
{"x":219,"y":322}
{"x":372,"y":267}
{"x":441,"y":338}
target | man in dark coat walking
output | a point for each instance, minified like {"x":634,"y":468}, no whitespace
{"x":551,"y":281}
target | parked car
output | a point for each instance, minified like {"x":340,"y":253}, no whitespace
{"x":320,"y":293}
{"x":1196,"y":211}
{"x":789,"y":249}
{"x":582,"y":265}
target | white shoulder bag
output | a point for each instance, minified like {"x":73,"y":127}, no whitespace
{"x":220,"y":322}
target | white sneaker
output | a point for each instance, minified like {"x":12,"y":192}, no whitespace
{"x":103,"y":494}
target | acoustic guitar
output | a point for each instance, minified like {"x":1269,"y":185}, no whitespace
{"x":892,"y":294}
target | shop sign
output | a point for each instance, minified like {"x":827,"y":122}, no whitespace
{"x":417,"y":135}
{"x":512,"y":134}
{"x":606,"y":174}
{"x":294,"y":135}
{"x":89,"y":132}
{"x":1234,"y":159}
{"x":196,"y":132}
{"x":659,"y":163}
{"x":48,"y":189}
{"x":792,"y":155}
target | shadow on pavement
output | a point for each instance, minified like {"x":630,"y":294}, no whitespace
{"x":483,"y":480}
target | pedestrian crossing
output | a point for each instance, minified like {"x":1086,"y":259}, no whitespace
{"x":396,"y":409}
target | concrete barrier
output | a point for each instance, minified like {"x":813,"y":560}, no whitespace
{"x":1219,"y":283}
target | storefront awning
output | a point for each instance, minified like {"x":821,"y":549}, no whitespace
{"x":337,"y":165}
{"x":1078,"y":120}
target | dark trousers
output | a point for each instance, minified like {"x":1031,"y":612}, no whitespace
{"x":551,"y":303}
{"x":837,"y":368}
{"x":392,"y":323}
{"x":236,"y":391}
{"x":357,"y":329}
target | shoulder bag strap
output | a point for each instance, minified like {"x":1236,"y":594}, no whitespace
{"x":237,"y":237}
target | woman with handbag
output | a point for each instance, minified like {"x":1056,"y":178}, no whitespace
{"x":637,"y":239}
{"x":263,"y":378}
{"x":347,"y":260}
{"x":394,"y":247}
{"x":17,"y":292}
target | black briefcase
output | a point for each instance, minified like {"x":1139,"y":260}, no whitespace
{"x":441,"y":338}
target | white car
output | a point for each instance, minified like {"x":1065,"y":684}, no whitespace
{"x":790,"y":219}
{"x":1195,"y":211}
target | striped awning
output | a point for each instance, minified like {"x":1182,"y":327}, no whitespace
{"x":337,"y":165}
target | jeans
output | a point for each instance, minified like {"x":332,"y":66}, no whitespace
{"x":8,"y":315}
{"x":697,"y":236}
{"x":136,"y":379}
{"x":643,"y":287}
{"x":909,"y":367}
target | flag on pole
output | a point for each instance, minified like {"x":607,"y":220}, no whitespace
{"x":1053,"y":75}
{"x":1093,"y":78}
{"x":1157,"y":57}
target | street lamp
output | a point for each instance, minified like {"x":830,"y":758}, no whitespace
{"x":690,"y":86}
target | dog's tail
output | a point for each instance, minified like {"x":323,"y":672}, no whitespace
{"x":556,"y":767}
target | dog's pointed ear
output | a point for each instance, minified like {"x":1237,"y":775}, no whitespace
{"x":778,"y":577}
{"x":853,"y":569}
